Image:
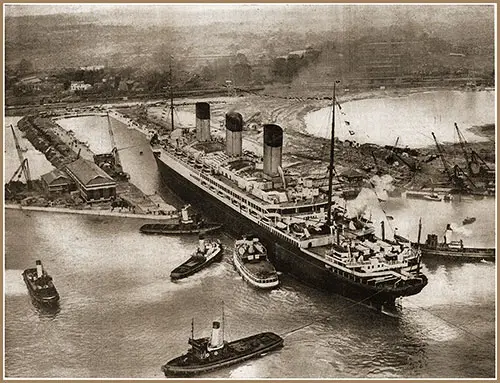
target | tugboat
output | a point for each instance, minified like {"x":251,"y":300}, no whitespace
{"x":186,"y":225}
{"x":454,"y":249}
{"x":250,"y":260}
{"x":206,"y":254}
{"x":208,"y":354}
{"x":468,"y":220}
{"x":40,"y":285}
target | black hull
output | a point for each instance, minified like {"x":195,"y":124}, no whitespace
{"x":282,"y":254}
{"x":165,"y":230}
{"x":39,"y":299}
{"x":466,"y":255}
{"x":173,"y":368}
{"x":176,"y":275}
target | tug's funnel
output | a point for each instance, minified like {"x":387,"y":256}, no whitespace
{"x":203,"y":121}
{"x":216,"y":340}
{"x":234,"y":127}
{"x":201,"y":243}
{"x":273,"y":143}
{"x":39,"y":269}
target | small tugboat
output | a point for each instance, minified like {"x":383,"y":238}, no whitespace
{"x":250,"y":260}
{"x":432,"y":197}
{"x":454,"y":249}
{"x":468,"y":220}
{"x":186,"y":225}
{"x":40,"y":285}
{"x":206,"y":254}
{"x":208,"y":354}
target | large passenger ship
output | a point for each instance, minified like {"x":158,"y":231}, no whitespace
{"x":305,"y":232}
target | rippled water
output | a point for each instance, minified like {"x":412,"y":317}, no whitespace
{"x":121,"y":316}
{"x":412,"y":118}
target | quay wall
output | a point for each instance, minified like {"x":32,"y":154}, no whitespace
{"x":102,"y":213}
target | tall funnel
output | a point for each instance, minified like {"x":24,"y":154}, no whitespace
{"x":273,"y":143}
{"x":216,"y":340}
{"x":39,"y":269}
{"x":234,"y":127}
{"x":203,"y":121}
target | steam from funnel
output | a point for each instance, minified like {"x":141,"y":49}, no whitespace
{"x":273,"y":143}
{"x":234,"y":127}
{"x":203,"y":121}
{"x":39,"y":269}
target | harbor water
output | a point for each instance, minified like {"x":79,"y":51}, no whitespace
{"x":122,"y":317}
{"x":412,"y":118}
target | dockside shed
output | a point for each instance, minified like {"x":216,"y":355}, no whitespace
{"x":95,"y":184}
{"x":56,"y":182}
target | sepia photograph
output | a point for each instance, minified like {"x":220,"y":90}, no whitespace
{"x":249,"y":191}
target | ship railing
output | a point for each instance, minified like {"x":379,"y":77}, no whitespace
{"x":274,"y":278}
{"x":350,"y":268}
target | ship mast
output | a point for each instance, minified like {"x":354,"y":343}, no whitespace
{"x":171,"y":96}
{"x":222,"y":321}
{"x":192,"y":328}
{"x":330,"y":172}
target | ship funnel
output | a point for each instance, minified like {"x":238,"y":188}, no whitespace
{"x":201,"y":243}
{"x":234,"y":127}
{"x":184,"y":214}
{"x":216,"y":340}
{"x":273,"y":142}
{"x":39,"y":269}
{"x":203,"y":121}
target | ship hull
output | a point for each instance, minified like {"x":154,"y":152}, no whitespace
{"x":284,"y":256}
{"x":176,"y":367}
{"x":184,"y":271}
{"x":160,"y":229}
{"x":255,"y":281}
{"x":466,"y":254}
{"x":50,"y":301}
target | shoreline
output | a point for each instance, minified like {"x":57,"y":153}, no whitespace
{"x":89,"y":212}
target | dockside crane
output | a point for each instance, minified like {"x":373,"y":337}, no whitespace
{"x":475,"y":164}
{"x":23,"y":162}
{"x":455,"y":175}
{"x":413,"y":165}
{"x":110,"y":162}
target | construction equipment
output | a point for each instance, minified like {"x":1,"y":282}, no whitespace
{"x":412,"y":164}
{"x":110,"y":162}
{"x":24,"y":166}
{"x":475,"y":164}
{"x":456,"y":175}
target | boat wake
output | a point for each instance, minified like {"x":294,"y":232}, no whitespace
{"x":14,"y":284}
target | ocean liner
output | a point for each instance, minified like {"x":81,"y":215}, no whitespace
{"x":305,"y":232}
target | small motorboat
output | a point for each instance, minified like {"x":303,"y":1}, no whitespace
{"x":40,"y":285}
{"x":207,"y":253}
{"x":468,"y":220}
